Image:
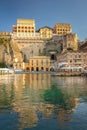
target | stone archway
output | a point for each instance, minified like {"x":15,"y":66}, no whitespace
{"x":32,"y":68}
{"x":51,"y":68}
{"x":53,"y":55}
{"x":37,"y":68}
{"x":27,"y":68}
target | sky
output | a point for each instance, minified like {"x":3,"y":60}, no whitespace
{"x":45,"y":13}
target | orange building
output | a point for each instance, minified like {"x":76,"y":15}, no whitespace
{"x":61,"y":28}
{"x":38,"y":63}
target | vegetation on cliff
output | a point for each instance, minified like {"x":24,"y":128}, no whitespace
{"x":8,"y":51}
{"x":4,"y":41}
{"x":3,"y":65}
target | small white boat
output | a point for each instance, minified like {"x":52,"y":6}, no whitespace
{"x":6,"y":71}
{"x":18,"y":70}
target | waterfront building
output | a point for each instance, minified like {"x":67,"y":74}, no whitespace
{"x":24,"y":28}
{"x":61,"y":28}
{"x":72,"y":60}
{"x":39,"y":63}
{"x":35,"y":63}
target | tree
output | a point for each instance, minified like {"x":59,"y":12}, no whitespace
{"x":2,"y":65}
{"x":4,"y":41}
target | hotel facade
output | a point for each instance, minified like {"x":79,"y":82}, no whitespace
{"x":31,"y":43}
{"x":61,"y":28}
{"x":24,"y":28}
{"x":36,"y":63}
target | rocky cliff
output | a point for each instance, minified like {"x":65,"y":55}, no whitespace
{"x":9,"y":51}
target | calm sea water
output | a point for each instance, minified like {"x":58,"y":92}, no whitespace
{"x":43,"y":102}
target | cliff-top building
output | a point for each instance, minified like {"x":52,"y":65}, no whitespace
{"x":38,"y":63}
{"x":28,"y":41}
{"x":46,"y":32}
{"x":61,"y":28}
{"x":24,"y":28}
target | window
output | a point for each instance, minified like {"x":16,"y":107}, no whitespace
{"x":41,"y":61}
{"x":37,"y":62}
{"x":32,"y":69}
{"x":42,"y":68}
{"x":32,"y":62}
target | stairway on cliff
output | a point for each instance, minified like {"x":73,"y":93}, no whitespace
{"x":15,"y":51}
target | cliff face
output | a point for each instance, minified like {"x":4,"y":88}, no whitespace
{"x":9,"y":52}
{"x":15,"y":52}
{"x":53,"y":45}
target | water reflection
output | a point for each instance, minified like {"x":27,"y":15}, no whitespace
{"x":35,"y":99}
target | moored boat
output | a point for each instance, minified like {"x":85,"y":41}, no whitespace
{"x":6,"y":71}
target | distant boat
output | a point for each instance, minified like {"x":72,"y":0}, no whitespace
{"x":6,"y":71}
{"x":18,"y":70}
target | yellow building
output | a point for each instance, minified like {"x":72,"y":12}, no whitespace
{"x":61,"y":28}
{"x":24,"y":28}
{"x":46,"y":32}
{"x":38,"y":63}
